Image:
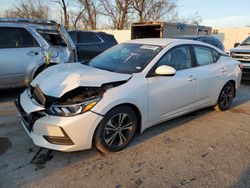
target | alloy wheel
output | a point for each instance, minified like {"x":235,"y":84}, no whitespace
{"x":118,"y":130}
{"x":226,"y":97}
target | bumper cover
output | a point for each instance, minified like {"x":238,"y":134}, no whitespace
{"x":80,"y":129}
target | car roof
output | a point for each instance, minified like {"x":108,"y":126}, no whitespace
{"x":155,"y":41}
{"x":194,"y":36}
{"x":27,"y":22}
{"x":167,"y":41}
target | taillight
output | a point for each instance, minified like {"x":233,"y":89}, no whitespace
{"x":241,"y":66}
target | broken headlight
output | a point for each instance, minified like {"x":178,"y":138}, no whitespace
{"x":72,"y":109}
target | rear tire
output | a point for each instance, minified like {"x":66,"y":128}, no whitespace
{"x":116,"y":130}
{"x":226,"y":97}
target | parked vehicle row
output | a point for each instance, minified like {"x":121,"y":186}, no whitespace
{"x":90,"y":44}
{"x":126,"y":89}
{"x":27,"y":46}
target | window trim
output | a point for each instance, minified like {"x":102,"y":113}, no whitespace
{"x":152,"y":70}
{"x":80,"y":43}
{"x":52,"y":32}
{"x":211,"y":49}
{"x":19,"y":28}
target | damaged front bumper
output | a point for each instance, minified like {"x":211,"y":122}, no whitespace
{"x":54,"y":132}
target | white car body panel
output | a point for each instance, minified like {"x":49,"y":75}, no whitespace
{"x":157,"y":99}
{"x":166,"y":88}
{"x":28,"y":104}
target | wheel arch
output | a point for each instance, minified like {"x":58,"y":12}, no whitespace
{"x":134,"y":108}
{"x":234,"y":84}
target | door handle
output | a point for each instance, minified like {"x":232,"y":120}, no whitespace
{"x":191,"y":78}
{"x":32,"y":53}
{"x":223,"y":69}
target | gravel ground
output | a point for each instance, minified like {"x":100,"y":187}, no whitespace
{"x":201,"y":149}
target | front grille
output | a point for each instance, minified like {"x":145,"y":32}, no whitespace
{"x":28,"y":119}
{"x":243,"y":57}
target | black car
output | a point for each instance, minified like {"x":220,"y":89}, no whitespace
{"x":90,"y":43}
{"x":207,"y":39}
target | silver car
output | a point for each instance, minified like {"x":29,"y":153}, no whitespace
{"x":28,"y":46}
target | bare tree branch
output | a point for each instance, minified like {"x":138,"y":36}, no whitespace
{"x":29,"y":9}
{"x":75,"y":18}
{"x":90,"y":17}
{"x":117,"y":12}
{"x":64,"y":5}
{"x":153,"y":10}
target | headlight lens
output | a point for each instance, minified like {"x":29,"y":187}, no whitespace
{"x":73,"y":109}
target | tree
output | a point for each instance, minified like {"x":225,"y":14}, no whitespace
{"x":29,"y":9}
{"x":89,"y":15}
{"x":117,"y":12}
{"x":152,"y":10}
{"x":64,"y":5}
{"x":75,"y":17}
{"x":193,"y":19}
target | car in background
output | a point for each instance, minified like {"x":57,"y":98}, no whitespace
{"x":241,"y":52}
{"x":207,"y":39}
{"x":91,"y":43}
{"x":27,"y":46}
{"x":126,"y":89}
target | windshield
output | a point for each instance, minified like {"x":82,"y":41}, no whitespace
{"x":246,"y":41}
{"x":52,"y":37}
{"x":126,"y":58}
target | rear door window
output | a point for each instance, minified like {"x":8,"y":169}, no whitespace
{"x":204,"y":55}
{"x":216,"y":55}
{"x":178,"y":58}
{"x":11,"y":37}
{"x":88,"y":37}
{"x":53,"y":38}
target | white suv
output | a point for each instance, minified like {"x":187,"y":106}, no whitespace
{"x":27,"y":46}
{"x":241,"y":52}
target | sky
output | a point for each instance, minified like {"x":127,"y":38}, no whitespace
{"x":218,"y":13}
{"x":215,"y":13}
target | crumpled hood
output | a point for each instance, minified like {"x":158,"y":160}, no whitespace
{"x":57,"y":80}
{"x":245,"y":48}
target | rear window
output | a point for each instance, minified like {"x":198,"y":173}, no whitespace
{"x":87,"y":37}
{"x":16,"y":38}
{"x":53,"y":38}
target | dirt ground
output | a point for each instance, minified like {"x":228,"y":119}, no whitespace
{"x":201,"y":149}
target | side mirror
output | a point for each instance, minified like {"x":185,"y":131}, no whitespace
{"x":165,"y":70}
{"x":236,"y":44}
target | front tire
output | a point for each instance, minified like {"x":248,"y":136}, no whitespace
{"x":226,"y":97}
{"x":116,"y":129}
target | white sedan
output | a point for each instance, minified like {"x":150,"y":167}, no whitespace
{"x":126,"y":89}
